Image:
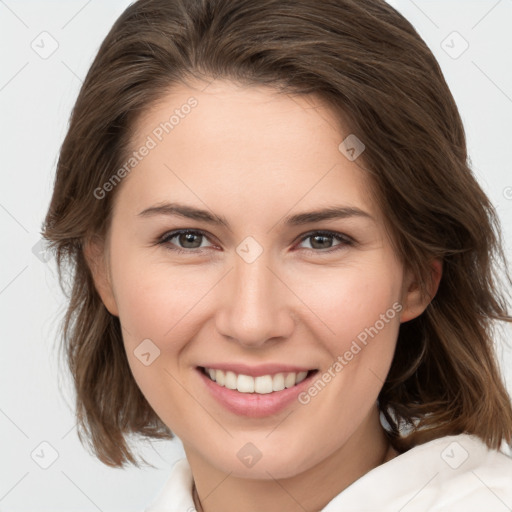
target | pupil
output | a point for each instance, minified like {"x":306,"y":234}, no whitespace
{"x":321,"y":237}
{"x":188,"y":237}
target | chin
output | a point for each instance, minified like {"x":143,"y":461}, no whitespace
{"x":265,"y":459}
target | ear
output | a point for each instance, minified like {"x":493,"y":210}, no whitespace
{"x":413,"y":301}
{"x":96,"y":258}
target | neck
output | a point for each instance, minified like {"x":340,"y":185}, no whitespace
{"x":312,"y":489}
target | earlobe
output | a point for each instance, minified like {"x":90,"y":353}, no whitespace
{"x":95,"y":256}
{"x":413,"y":300}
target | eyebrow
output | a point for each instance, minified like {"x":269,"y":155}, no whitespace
{"x":190,"y":212}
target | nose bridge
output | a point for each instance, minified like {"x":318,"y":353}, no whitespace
{"x":256,"y":306}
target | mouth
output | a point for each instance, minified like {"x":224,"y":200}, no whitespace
{"x":270,"y":383}
{"x":255,"y":393}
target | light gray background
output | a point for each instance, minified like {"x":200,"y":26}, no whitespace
{"x":36,"y":98}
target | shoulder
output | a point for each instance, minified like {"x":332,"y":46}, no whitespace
{"x":447,"y":474}
{"x":176,"y":494}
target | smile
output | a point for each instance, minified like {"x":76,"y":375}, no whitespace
{"x":262,"y":384}
{"x":255,"y":391}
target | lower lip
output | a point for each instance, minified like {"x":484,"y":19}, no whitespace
{"x":255,"y":405}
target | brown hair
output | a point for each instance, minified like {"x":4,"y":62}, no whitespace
{"x":370,"y":65}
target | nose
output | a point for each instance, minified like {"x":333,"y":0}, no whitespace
{"x":255,"y":307}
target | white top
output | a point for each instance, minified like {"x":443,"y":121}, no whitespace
{"x":450,"y":474}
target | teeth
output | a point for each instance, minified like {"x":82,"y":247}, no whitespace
{"x":262,"y":385}
{"x":244,"y":383}
{"x":289,"y":380}
{"x":220,"y":377}
{"x":230,"y":381}
{"x":301,"y":376}
{"x":278,"y":382}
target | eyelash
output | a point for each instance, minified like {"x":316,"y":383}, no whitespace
{"x":344,"y":240}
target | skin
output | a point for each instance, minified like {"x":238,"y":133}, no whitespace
{"x":254,"y":156}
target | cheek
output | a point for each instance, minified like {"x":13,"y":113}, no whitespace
{"x":346,"y":302}
{"x":154,"y":299}
{"x":359,"y":310}
{"x":156,"y":310}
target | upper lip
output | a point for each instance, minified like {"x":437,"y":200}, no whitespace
{"x":256,"y":370}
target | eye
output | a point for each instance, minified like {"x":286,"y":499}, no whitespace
{"x":192,"y":240}
{"x":322,"y":240}
{"x":188,"y":240}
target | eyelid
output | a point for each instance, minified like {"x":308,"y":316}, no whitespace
{"x":326,"y":232}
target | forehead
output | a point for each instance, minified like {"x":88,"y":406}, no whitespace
{"x":239,"y":114}
{"x":232,"y":145}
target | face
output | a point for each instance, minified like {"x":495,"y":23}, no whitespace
{"x":213,"y":267}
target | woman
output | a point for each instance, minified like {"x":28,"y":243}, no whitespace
{"x":325,"y":341}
